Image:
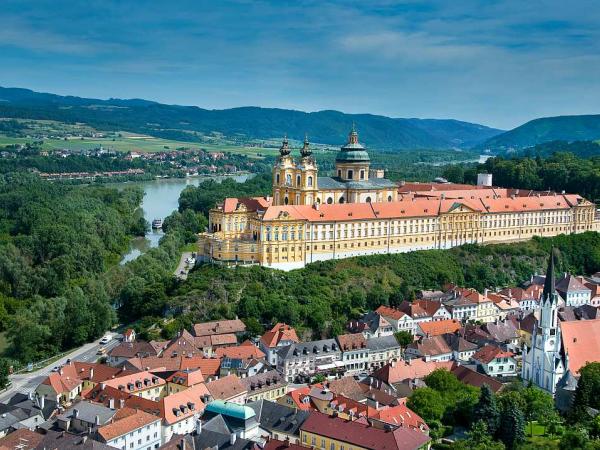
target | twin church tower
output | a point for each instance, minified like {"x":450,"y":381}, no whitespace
{"x":298,"y":183}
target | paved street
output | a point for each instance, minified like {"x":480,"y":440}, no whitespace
{"x":183,"y":266}
{"x":27,"y":382}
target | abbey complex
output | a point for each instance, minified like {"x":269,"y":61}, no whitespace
{"x":359,"y":212}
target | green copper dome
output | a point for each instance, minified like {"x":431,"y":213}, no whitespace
{"x":353,"y":151}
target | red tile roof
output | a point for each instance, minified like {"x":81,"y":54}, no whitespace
{"x":581,"y":341}
{"x":219,"y":327}
{"x":63,"y":381}
{"x":401,"y":415}
{"x":408,"y":370}
{"x":280,"y":332}
{"x":226,"y":388}
{"x":126,"y":422}
{"x":242,"y":351}
{"x":351,"y":341}
{"x":490,"y":352}
{"x":361,"y":435}
{"x":439,"y":327}
{"x":393,"y":313}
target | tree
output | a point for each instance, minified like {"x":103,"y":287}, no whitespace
{"x":404,"y":338}
{"x":4,"y":372}
{"x":428,"y":403}
{"x":486,"y":410}
{"x":587,"y":393}
{"x":512,"y":423}
{"x":479,"y":438}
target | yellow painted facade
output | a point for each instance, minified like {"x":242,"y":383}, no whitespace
{"x":304,"y":223}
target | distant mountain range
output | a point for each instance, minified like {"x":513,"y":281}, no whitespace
{"x":185,"y":122}
{"x":325,"y":127}
{"x":538,"y":131}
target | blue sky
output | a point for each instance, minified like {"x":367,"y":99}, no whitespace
{"x":499,"y":63}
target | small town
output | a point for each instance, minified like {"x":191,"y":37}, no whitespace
{"x":216,"y":386}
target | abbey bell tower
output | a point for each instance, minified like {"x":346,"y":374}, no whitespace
{"x":295,"y":183}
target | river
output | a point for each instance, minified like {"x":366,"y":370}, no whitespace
{"x":161,"y":199}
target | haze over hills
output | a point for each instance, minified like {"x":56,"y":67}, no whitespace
{"x":560,"y":128}
{"x":187,"y":122}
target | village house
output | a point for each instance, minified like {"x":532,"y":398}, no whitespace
{"x":355,"y":353}
{"x":279,"y":336}
{"x":496,"y":362}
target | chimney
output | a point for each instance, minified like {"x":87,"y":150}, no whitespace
{"x":97,"y":421}
{"x":91,"y":373}
{"x":182,"y":444}
{"x":42,"y":402}
{"x":102,"y":386}
{"x":121,"y":403}
{"x":111,"y":403}
{"x":75,"y":413}
{"x":198,"y":427}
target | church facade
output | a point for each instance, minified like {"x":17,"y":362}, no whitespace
{"x":358,"y":211}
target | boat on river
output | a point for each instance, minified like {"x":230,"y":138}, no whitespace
{"x":157,"y":224}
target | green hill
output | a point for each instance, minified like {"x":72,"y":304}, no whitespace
{"x":188,"y":123}
{"x":560,"y":128}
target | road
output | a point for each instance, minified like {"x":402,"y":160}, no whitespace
{"x":183,"y":267}
{"x":26,"y":382}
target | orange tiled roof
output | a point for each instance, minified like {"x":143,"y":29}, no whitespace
{"x":187,"y":403}
{"x":409,"y":370}
{"x":351,"y":341}
{"x":63,"y":381}
{"x":219,"y":327}
{"x":386,"y":311}
{"x":135,"y":382}
{"x":125,"y":421}
{"x":439,"y":327}
{"x":581,"y":341}
{"x":226,"y":388}
{"x":240,"y":352}
{"x":401,"y":415}
{"x":188,"y":377}
{"x":280,"y":332}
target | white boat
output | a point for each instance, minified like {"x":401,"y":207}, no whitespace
{"x":157,"y":223}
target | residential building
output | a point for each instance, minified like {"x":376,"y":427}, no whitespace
{"x":433,"y":348}
{"x":305,"y":359}
{"x":496,"y":362}
{"x":240,"y":419}
{"x":130,"y":349}
{"x":573,"y":291}
{"x":462,"y":350}
{"x":355,"y":353}
{"x":399,"y":320}
{"x":325,"y":432}
{"x":229,"y":389}
{"x":371,"y":324}
{"x":282,"y":422}
{"x":62,"y":386}
{"x":269,"y":385}
{"x":279,"y":336}
{"x":85,"y":417}
{"x":437,"y":328}
{"x":382,"y":350}
{"x":132,"y":429}
{"x":142,"y":384}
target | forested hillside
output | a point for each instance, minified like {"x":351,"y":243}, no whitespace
{"x":560,"y":128}
{"x":559,"y":172}
{"x":185,"y":122}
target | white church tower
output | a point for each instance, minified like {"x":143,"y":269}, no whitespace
{"x":543,"y":363}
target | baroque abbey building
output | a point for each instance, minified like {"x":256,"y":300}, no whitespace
{"x":359,"y":212}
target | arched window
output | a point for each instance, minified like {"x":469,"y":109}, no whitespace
{"x":368,"y":199}
{"x":318,"y":200}
{"x":310,"y":181}
{"x":329,"y":200}
{"x":277,"y":178}
{"x":342,"y":200}
{"x":286,"y":200}
{"x":389,"y":198}
{"x":362,"y":174}
{"x":298,"y":179}
{"x":339,"y":173}
{"x":350,"y":174}
{"x":288,"y":179}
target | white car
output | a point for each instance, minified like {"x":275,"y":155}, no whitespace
{"x":105,"y":340}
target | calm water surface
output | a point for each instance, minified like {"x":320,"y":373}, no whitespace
{"x":161,"y":199}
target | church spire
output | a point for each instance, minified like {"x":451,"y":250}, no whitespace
{"x":305,"y":150}
{"x":550,"y":283}
{"x":284,"y":150}
{"x":353,"y":136}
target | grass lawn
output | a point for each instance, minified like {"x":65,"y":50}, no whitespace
{"x":535,"y":429}
{"x":135,"y":142}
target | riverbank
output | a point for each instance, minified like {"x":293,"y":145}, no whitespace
{"x":161,"y":198}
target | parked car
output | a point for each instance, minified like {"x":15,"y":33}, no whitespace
{"x":105,"y":340}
